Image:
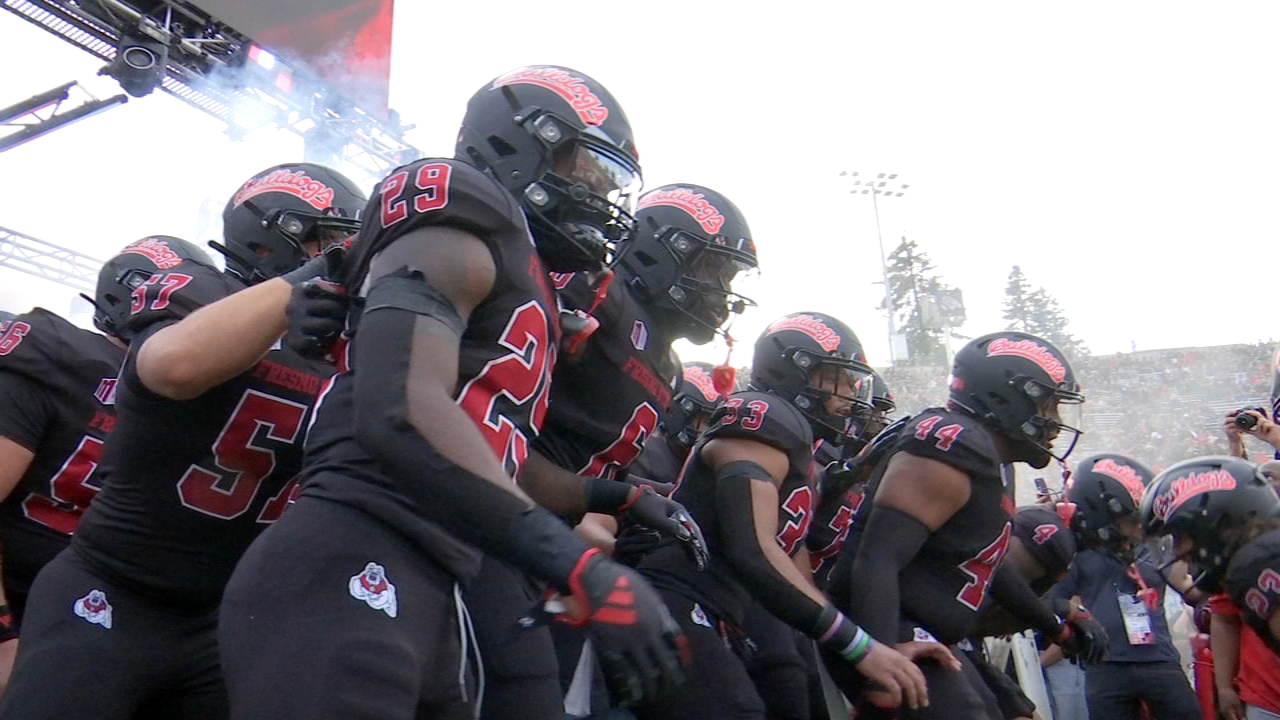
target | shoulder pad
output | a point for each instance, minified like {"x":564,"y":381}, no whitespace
{"x":177,"y":293}
{"x":48,"y":349}
{"x":950,"y":437}
{"x":1253,"y":577}
{"x":437,"y":191}
{"x":764,"y":418}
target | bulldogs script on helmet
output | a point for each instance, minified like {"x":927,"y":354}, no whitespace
{"x":1031,"y":351}
{"x":1123,"y":474}
{"x":699,"y":378}
{"x":826,"y":338}
{"x":1185,"y":488}
{"x":707,"y":215}
{"x":155,"y":250}
{"x":574,"y":91}
{"x":298,"y":184}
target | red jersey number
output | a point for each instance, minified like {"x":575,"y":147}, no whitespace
{"x":69,"y":490}
{"x":980,"y":567}
{"x":432,"y":183}
{"x":244,"y":456}
{"x":796,"y":510}
{"x":1258,"y":597}
{"x":523,"y":378}
{"x":624,"y":450}
{"x":752,"y":419}
{"x":154,"y":294}
{"x":12,"y":337}
{"x":946,"y":434}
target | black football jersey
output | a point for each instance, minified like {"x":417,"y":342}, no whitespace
{"x":506,"y":357}
{"x":746,"y":415}
{"x":658,"y":461}
{"x":945,"y":584}
{"x":1253,"y":582}
{"x":187,"y":485}
{"x":609,"y":396}
{"x":73,"y":373}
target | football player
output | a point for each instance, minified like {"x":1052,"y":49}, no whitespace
{"x":351,"y":606}
{"x":664,"y":453}
{"x":672,"y":279}
{"x":57,"y":384}
{"x":208,"y":437}
{"x":938,"y":515}
{"x":747,"y":484}
{"x":1225,"y":521}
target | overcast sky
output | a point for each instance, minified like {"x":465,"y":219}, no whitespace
{"x":1122,"y":153}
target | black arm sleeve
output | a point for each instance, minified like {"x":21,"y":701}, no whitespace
{"x":874,"y":600}
{"x":473,"y":508}
{"x":737,"y":536}
{"x":1012,"y":593}
{"x":26,"y":410}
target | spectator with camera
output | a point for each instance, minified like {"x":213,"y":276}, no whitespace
{"x":1250,"y":421}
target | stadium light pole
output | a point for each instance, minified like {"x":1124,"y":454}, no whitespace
{"x":875,"y":185}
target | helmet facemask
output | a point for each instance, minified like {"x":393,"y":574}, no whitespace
{"x":581,"y":205}
{"x":835,"y":396}
{"x":1056,"y":409}
{"x":701,"y":295}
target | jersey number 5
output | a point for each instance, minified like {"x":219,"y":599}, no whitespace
{"x":244,"y":455}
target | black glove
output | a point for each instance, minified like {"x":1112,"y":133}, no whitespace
{"x":649,"y":509}
{"x":641,"y":649}
{"x":1083,"y":639}
{"x":317,"y":313}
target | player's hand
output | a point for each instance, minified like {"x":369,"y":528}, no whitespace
{"x":1083,"y":639}
{"x":317,"y":314}
{"x":649,"y":509}
{"x":900,"y":681}
{"x":641,"y":650}
{"x":1230,"y":706}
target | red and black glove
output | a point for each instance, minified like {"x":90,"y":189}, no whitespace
{"x":317,"y":314}
{"x":1082,"y":638}
{"x":641,"y":650}
{"x":642,"y":506}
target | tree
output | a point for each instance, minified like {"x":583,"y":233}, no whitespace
{"x":913,"y":283}
{"x":1016,"y":308}
{"x":1037,"y":312}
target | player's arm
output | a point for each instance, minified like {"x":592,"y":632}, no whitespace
{"x":1180,"y":580}
{"x":221,"y":340}
{"x":26,"y":411}
{"x":748,"y":475}
{"x":916,"y":496}
{"x":1224,"y":641}
{"x":420,"y":294}
{"x":573,"y":496}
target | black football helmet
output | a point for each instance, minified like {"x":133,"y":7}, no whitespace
{"x":1024,"y":388}
{"x":798,"y":349}
{"x":1046,"y":536}
{"x":1211,"y":501}
{"x":561,"y":144}
{"x":696,"y":398}
{"x":1102,"y":490}
{"x":131,"y":267}
{"x":688,"y":246}
{"x":266,"y":224}
{"x":863,"y":428}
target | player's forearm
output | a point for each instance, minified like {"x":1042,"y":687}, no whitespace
{"x":554,"y":488}
{"x":892,"y":538}
{"x":1012,"y":593}
{"x":1224,"y":641}
{"x":215,"y":343}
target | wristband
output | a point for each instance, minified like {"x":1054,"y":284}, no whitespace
{"x":8,"y":629}
{"x":609,"y":497}
{"x":844,"y":637}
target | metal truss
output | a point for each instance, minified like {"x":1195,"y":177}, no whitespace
{"x":46,"y":260}
{"x":26,"y":118}
{"x":203,"y":70}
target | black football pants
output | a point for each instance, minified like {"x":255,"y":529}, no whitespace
{"x":521,"y":672}
{"x":330,"y":614}
{"x":780,"y":674}
{"x":717,"y":683}
{"x":92,"y":649}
